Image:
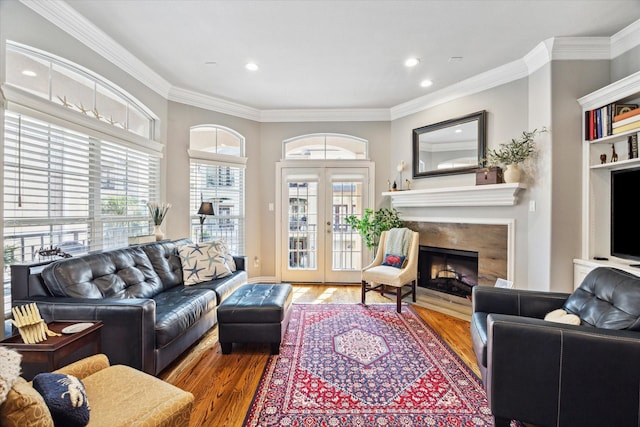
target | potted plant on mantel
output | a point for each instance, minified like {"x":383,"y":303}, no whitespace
{"x":514,"y":153}
{"x":372,"y":224}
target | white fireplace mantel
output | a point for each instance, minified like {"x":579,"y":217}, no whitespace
{"x":477,"y":195}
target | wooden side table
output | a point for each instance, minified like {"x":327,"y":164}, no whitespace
{"x":55,"y":352}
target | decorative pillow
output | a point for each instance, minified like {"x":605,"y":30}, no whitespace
{"x":24,"y":407}
{"x":9,"y":370}
{"x":221,"y":246}
{"x":393,"y":260}
{"x":561,"y":316}
{"x":65,"y":397}
{"x":202,"y":262}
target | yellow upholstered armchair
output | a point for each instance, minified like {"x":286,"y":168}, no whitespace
{"x":118,"y":396}
{"x":386,"y":271}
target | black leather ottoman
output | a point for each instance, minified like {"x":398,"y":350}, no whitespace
{"x":255,"y":313}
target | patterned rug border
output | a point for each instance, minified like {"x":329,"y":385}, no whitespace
{"x":273,"y":358}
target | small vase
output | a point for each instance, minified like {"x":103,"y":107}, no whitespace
{"x":512,"y":173}
{"x":157,"y":230}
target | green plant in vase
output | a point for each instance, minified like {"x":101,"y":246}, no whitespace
{"x":372,"y":224}
{"x":514,"y":153}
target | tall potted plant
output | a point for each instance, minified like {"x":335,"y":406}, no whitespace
{"x":514,"y":153}
{"x":372,"y":224}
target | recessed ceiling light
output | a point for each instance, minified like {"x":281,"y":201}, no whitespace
{"x":29,"y":73}
{"x":251,"y":66}
{"x":412,"y":62}
{"x":426,"y":83}
{"x":458,"y":130}
{"x":455,"y":58}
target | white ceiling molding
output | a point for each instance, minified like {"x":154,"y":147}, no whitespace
{"x":208,"y":102}
{"x":62,"y":15}
{"x":498,"y":76}
{"x":625,"y":39}
{"x":538,"y":56}
{"x":327,"y":115}
{"x":581,"y":48}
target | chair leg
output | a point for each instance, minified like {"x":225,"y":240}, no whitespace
{"x":399,"y":299}
{"x":364,"y":292}
{"x":413,"y":290}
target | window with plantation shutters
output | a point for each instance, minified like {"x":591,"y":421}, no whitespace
{"x":217,"y":176}
{"x":71,"y":190}
{"x":80,"y":162}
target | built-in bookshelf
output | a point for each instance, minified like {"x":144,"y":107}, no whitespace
{"x":607,"y":146}
{"x":612,"y":120}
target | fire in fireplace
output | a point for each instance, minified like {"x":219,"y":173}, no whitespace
{"x":451,"y":271}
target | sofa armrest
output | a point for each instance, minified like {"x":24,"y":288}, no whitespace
{"x":516,"y":302}
{"x":128,"y":332}
{"x":548,"y":373}
{"x":85,"y":367}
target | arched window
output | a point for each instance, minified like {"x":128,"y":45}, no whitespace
{"x":80,"y":162}
{"x":76,"y":88}
{"x":217,"y":176}
{"x":325,"y":146}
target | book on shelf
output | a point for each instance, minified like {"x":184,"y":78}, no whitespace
{"x":626,"y":121}
{"x":632,"y":110}
{"x":633,"y":145}
{"x":604,"y":121}
{"x":627,"y":127}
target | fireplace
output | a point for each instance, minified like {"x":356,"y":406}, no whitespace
{"x":452,"y":271}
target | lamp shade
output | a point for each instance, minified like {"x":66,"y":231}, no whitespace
{"x":206,"y":208}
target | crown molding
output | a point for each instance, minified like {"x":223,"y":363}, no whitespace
{"x":327,"y":115}
{"x":625,"y":39}
{"x":59,"y":13}
{"x":581,"y":48}
{"x":65,"y":17}
{"x":498,"y":76}
{"x":208,"y":102}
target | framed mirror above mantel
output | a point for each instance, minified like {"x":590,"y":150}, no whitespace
{"x":450,"y":147}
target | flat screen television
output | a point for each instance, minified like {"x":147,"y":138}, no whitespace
{"x":625,"y":218}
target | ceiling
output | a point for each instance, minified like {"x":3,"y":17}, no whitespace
{"x":339,"y":54}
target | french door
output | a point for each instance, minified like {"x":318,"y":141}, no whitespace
{"x":316,"y":243}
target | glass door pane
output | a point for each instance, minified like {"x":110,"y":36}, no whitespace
{"x":303,"y":225}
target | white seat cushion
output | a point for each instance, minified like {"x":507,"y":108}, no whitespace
{"x":383,"y":274}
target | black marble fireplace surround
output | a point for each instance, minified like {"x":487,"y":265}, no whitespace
{"x":452,"y":271}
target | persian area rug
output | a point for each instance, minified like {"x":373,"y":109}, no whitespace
{"x":355,"y":365}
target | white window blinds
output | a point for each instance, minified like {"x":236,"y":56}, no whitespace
{"x":223,"y":185}
{"x":72,"y":190}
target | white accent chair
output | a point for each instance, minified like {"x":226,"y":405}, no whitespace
{"x":376,"y":276}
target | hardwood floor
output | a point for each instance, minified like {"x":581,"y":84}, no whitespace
{"x":224,"y":386}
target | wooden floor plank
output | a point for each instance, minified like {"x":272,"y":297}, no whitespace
{"x":224,"y":385}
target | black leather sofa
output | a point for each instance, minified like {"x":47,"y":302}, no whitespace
{"x":554,"y":374}
{"x":149,"y":316}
